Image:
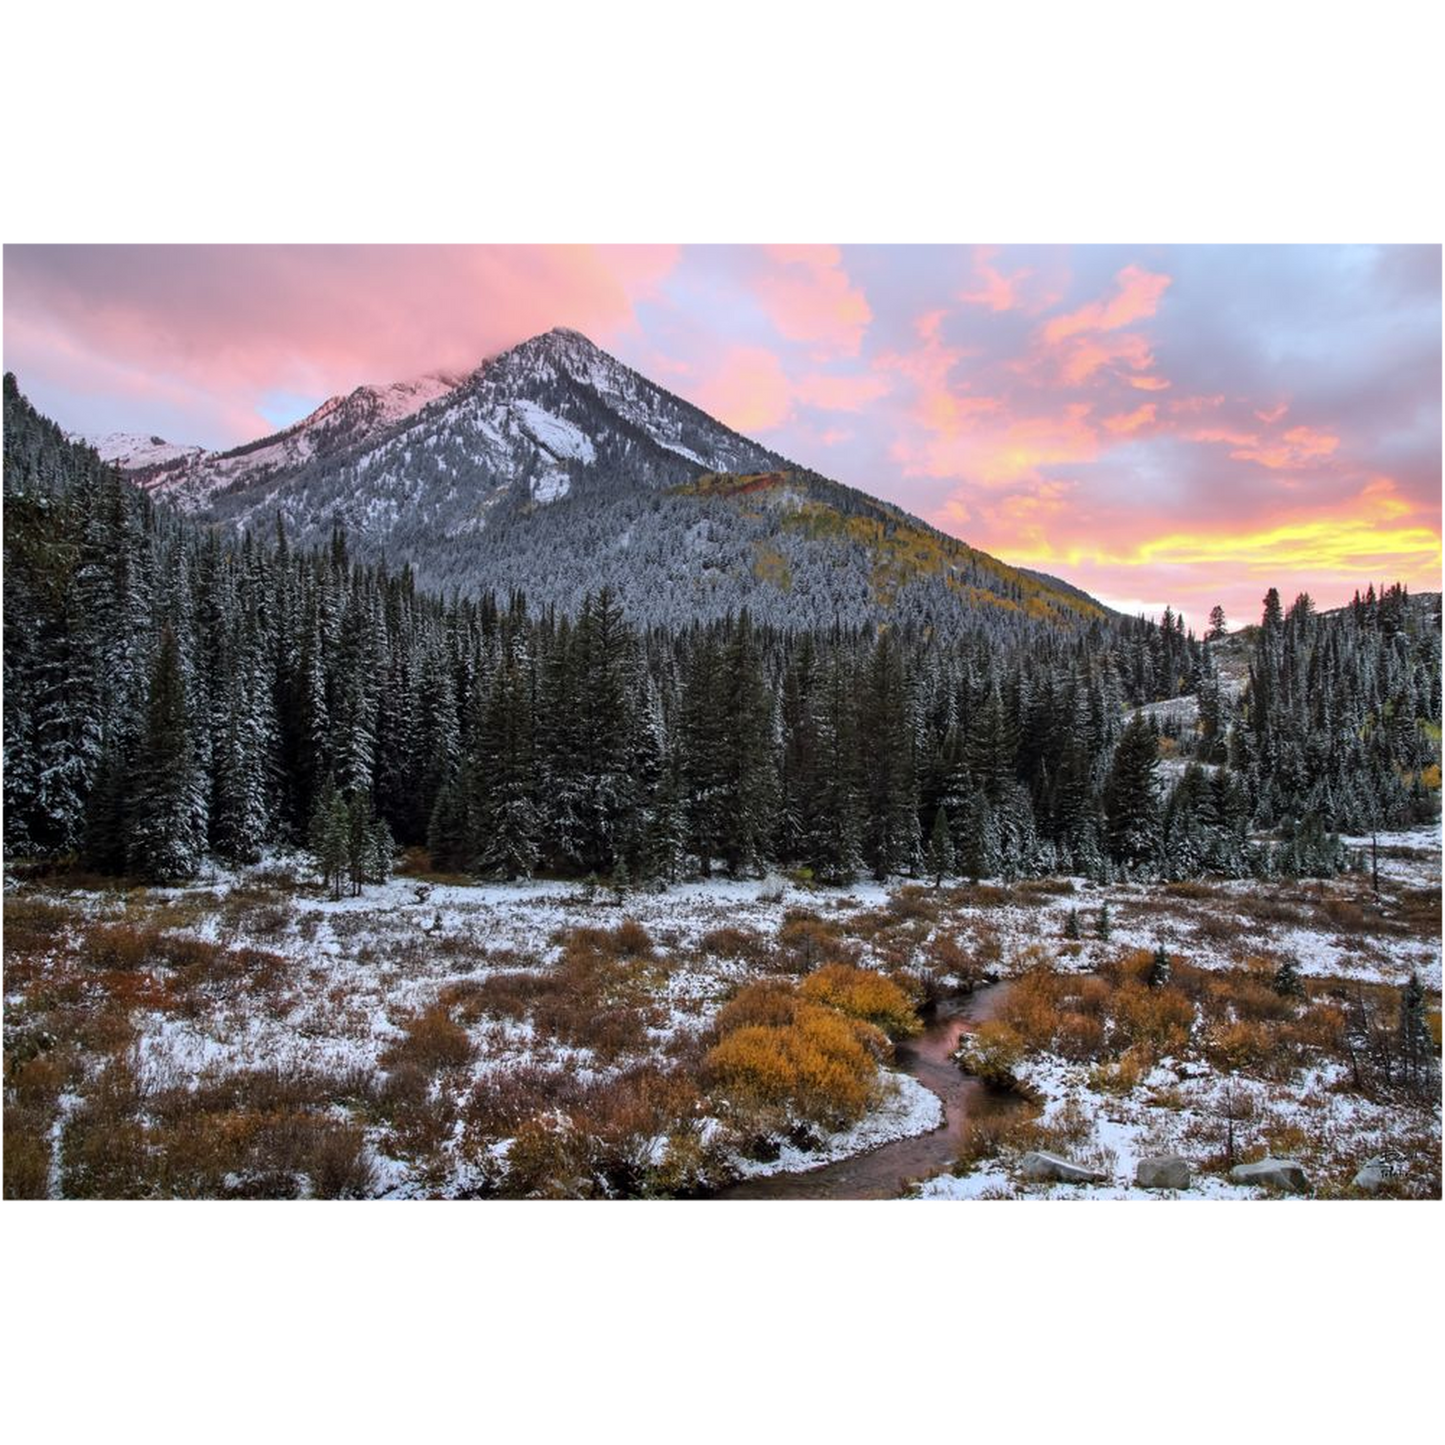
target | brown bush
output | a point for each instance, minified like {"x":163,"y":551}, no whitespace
{"x":34,"y":925}
{"x":431,"y":1040}
{"x":767,"y":1005}
{"x":912,"y":903}
{"x":1077,"y":1036}
{"x":550,"y":1158}
{"x":1348,"y":916}
{"x":120,"y":946}
{"x":1188,"y":888}
{"x":978,"y":895}
{"x":504,"y":1099}
{"x":805,"y":941}
{"x":509,"y":994}
{"x":946,"y":956}
{"x":337,"y":1162}
{"x":746,"y":944}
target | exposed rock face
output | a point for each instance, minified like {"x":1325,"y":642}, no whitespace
{"x":1285,"y":1174}
{"x":1165,"y":1171}
{"x":1037,"y":1165}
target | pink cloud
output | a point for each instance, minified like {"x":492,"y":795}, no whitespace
{"x":1084,"y":356}
{"x":1138,"y":296}
{"x":749,"y":390}
{"x":240,"y":321}
{"x":1300,"y":446}
{"x":808,"y":297}
{"x":1125,"y":423}
{"x":1195,"y":405}
{"x":841,"y":393}
{"x":995,"y":290}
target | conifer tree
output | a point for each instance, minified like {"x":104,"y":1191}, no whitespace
{"x":330,"y":836}
{"x":166,"y":824}
{"x":1287,"y":982}
{"x":1130,"y":803}
{"x":1160,"y":971}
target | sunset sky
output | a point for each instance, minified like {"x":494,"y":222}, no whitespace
{"x":1157,"y":424}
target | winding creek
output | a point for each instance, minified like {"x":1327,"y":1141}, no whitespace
{"x":882,"y":1173}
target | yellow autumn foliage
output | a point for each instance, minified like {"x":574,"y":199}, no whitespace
{"x":806,"y":1059}
{"x":863,"y":993}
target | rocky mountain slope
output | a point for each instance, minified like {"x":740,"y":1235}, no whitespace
{"x":557,"y":469}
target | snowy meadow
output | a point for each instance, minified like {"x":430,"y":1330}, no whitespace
{"x":248,"y":1036}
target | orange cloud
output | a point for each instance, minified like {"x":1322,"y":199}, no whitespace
{"x":991,"y":451}
{"x":1138,"y":296}
{"x":809,"y":298}
{"x":1299,"y":446}
{"x":1148,"y":383}
{"x":1382,"y":497}
{"x":1272,"y":414}
{"x":1128,"y":422}
{"x":1086,"y":355}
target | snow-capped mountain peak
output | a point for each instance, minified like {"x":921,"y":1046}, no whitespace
{"x":557,"y":468}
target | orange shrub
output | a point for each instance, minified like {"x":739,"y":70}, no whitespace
{"x":771,"y":1005}
{"x":1161,"y":1017}
{"x":1032,"y":1007}
{"x":819,"y":1066}
{"x":1124,"y":1073}
{"x":863,"y":994}
{"x":1239,"y":1045}
{"x":1319,"y":1027}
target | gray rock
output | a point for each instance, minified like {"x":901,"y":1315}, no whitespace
{"x":1165,"y":1171}
{"x":1037,"y":1165}
{"x":1374,"y":1173}
{"x":1279,"y":1173}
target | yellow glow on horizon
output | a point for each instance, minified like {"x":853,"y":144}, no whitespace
{"x":1353,"y":546}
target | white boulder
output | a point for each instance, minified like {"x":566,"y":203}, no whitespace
{"x":1164,"y":1171}
{"x":1287,"y":1174}
{"x":1039,"y":1166}
{"x":1374,"y":1173}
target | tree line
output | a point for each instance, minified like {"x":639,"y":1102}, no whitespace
{"x":170,"y":696}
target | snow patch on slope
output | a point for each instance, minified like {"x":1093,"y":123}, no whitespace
{"x":132,"y":453}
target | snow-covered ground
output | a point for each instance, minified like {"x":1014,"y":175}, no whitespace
{"x":357,"y":970}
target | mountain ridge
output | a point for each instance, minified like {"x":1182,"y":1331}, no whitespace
{"x":556,"y":468}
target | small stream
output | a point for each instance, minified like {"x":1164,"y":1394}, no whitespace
{"x":882,"y":1172}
